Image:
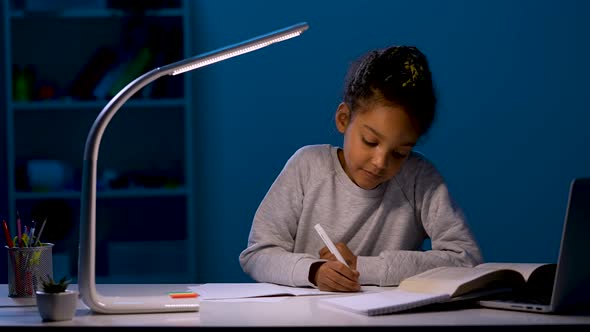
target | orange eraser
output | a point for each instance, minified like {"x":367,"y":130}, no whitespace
{"x":183,"y":295}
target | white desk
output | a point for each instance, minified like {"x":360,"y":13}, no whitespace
{"x":302,"y":311}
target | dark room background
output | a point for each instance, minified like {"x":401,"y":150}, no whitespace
{"x":511,"y":129}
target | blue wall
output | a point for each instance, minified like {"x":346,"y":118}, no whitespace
{"x":512,"y":128}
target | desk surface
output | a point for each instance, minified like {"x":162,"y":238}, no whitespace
{"x":301,"y":311}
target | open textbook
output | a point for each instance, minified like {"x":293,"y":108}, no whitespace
{"x":449,"y":284}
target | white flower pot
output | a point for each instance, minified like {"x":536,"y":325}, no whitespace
{"x":57,"y":306}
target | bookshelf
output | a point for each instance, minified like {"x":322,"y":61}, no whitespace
{"x":61,"y":66}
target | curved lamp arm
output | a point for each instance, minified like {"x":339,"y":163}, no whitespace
{"x":87,"y":250}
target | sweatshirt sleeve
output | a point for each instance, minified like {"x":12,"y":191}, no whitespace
{"x":442,"y":220}
{"x":269,"y":256}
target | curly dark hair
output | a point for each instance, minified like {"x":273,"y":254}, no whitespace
{"x":397,"y":75}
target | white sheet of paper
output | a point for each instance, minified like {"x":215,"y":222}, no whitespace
{"x":264,"y":299}
{"x":17,"y":302}
{"x":216,"y":291}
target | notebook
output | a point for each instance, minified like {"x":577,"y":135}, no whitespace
{"x":384,"y":302}
{"x":571,"y":285}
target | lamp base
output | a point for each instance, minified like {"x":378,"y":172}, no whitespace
{"x":142,"y":304}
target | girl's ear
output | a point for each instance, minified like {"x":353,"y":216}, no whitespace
{"x":342,"y":117}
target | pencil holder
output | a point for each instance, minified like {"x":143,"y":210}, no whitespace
{"x":27,"y":267}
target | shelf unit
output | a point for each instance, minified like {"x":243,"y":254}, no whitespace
{"x":144,"y":197}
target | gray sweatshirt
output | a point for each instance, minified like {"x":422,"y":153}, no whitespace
{"x":384,"y":227}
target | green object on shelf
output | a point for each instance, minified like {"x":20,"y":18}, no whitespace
{"x":24,"y":79}
{"x":134,"y":68}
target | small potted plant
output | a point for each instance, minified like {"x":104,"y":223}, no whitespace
{"x":55,"y":302}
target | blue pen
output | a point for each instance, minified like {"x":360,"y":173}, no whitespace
{"x":18,"y":231}
{"x":26,"y":232}
{"x":32,"y":234}
{"x":41,"y":232}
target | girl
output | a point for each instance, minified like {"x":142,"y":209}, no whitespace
{"x":377,"y":196}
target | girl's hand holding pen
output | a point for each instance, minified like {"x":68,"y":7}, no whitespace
{"x":334,"y":276}
{"x":348,"y":256}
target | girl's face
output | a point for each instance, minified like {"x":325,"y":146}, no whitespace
{"x":377,"y":141}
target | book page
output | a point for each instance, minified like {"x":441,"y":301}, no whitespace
{"x":456,"y":281}
{"x":526,"y":269}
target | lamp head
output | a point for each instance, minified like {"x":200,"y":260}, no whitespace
{"x":239,"y":49}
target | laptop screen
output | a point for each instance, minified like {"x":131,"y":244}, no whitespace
{"x":572,"y":279}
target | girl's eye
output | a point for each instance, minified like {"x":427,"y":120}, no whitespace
{"x":368,"y":143}
{"x":398,"y":155}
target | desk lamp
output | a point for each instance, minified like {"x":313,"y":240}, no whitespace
{"x":87,"y":251}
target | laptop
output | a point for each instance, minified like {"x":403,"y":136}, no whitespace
{"x":571,"y":284}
